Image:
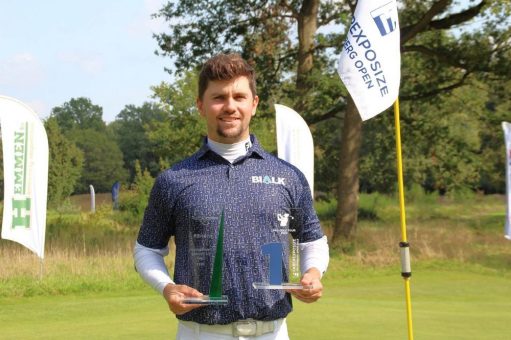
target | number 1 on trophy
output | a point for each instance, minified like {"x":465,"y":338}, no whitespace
{"x":275,"y":278}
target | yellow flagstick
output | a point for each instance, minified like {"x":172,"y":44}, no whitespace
{"x":406,"y":271}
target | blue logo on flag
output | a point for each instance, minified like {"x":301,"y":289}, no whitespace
{"x":384,"y":18}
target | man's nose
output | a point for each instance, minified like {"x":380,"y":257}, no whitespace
{"x":230,"y":105}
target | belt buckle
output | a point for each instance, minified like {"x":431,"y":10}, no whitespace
{"x":244,"y":328}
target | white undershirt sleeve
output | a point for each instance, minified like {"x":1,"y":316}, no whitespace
{"x":314,"y":254}
{"x":151,"y":267}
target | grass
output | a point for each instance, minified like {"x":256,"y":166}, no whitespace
{"x":101,"y":316}
{"x":461,"y":284}
{"x":445,"y":304}
{"x":448,"y":303}
{"x":66,"y":273}
{"x":467,"y":229}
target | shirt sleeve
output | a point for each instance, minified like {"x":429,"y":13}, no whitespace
{"x":151,"y":267}
{"x":314,"y":255}
{"x":157,"y":225}
{"x":307,"y":223}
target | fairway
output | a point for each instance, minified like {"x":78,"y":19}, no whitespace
{"x":450,"y":304}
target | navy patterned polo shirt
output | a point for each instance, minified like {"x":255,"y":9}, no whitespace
{"x":257,"y":192}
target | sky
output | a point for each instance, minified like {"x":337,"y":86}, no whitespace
{"x":55,"y":50}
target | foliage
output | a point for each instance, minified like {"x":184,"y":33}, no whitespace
{"x":440,"y":139}
{"x":65,"y":164}
{"x":493,"y":152}
{"x":79,"y":113}
{"x":103,"y":164}
{"x":81,"y":122}
{"x":181,"y":133}
{"x":130,"y":129}
{"x":143,"y":182}
{"x":136,"y":202}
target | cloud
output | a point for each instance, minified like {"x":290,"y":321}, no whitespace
{"x":89,"y":63}
{"x":21,"y":70}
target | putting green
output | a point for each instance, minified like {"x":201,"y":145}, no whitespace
{"x":446,"y":305}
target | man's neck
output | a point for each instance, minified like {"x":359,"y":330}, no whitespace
{"x":230,"y":151}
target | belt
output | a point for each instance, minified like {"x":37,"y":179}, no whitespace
{"x":247,"y":327}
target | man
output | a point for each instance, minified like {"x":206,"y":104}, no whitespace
{"x":231,"y":175}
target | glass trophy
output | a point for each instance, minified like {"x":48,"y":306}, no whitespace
{"x":206,"y":256}
{"x":283,"y":255}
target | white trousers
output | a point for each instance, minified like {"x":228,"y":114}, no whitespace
{"x":185,"y":332}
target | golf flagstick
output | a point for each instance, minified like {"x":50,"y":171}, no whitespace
{"x":406,"y":271}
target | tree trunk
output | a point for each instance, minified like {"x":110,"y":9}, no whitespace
{"x":348,"y":183}
{"x":307,"y":27}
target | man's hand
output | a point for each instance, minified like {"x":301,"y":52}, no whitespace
{"x":311,"y":278}
{"x":174,"y":294}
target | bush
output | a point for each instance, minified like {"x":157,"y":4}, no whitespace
{"x":136,"y":202}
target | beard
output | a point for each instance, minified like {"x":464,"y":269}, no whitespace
{"x":234,"y":132}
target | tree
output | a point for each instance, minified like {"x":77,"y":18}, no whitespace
{"x":441,"y":141}
{"x":65,"y":164}
{"x":130,"y":129}
{"x":493,"y":151}
{"x":181,"y":133}
{"x":103,"y":163}
{"x":265,"y":34}
{"x":79,"y":113}
{"x":81,"y":122}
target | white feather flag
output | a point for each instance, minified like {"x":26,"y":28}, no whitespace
{"x":294,"y":142}
{"x":507,"y":136}
{"x":25,"y":156}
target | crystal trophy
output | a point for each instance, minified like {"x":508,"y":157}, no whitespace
{"x":283,"y":255}
{"x":203,"y":247}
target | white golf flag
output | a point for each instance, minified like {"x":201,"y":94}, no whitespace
{"x":507,"y":137}
{"x":294,"y":142}
{"x":25,"y":151}
{"x":370,"y":61}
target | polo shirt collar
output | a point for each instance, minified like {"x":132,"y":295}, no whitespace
{"x":256,"y":150}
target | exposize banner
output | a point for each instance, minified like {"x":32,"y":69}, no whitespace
{"x":25,"y":157}
{"x":294,"y":142}
{"x":507,"y":137}
{"x":370,"y":62}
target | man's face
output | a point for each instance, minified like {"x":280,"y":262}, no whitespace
{"x":228,"y":106}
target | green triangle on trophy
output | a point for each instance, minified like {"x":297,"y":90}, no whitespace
{"x":215,"y":289}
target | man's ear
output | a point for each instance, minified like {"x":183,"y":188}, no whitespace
{"x":199,"y":104}
{"x":256,"y":102}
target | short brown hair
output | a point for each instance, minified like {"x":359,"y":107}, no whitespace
{"x":226,"y":67}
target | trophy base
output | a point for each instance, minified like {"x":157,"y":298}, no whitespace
{"x":283,"y":286}
{"x":206,"y":300}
